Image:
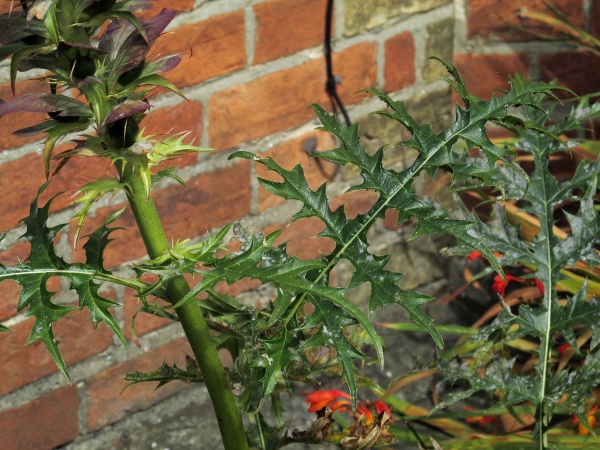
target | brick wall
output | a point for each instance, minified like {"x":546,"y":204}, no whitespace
{"x":251,"y":70}
{"x":490,"y":45}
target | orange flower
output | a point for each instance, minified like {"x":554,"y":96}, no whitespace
{"x":482,"y":421}
{"x":591,"y":420}
{"x":320,"y":399}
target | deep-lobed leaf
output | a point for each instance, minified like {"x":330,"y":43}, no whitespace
{"x":42,"y":264}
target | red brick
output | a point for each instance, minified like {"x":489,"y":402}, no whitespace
{"x":22,"y":365}
{"x":187,"y":116}
{"x":293,"y":152}
{"x":285,"y":27}
{"x":49,"y":421}
{"x":9,"y":289}
{"x":355,"y":202}
{"x":21,"y":178}
{"x":217,"y":47}
{"x":9,"y":293}
{"x":485,"y":73}
{"x":8,"y":6}
{"x":108,"y":403}
{"x":499,"y":18}
{"x":399,"y":62}
{"x":282,"y":100}
{"x":210,"y":200}
{"x":300,"y":238}
{"x":595,"y":19}
{"x":13,"y":122}
{"x":158,"y":5}
{"x":578,"y":71}
{"x":144,"y":323}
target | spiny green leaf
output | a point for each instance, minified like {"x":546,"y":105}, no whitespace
{"x":44,"y":263}
{"x":54,"y":135}
{"x":547,"y":255}
{"x":259,"y":259}
{"x":165,"y":374}
{"x":89,"y":194}
{"x":499,"y":373}
{"x":331,"y":322}
{"x":26,"y":52}
{"x":279,"y":354}
{"x":51,"y":24}
{"x":152,"y":80}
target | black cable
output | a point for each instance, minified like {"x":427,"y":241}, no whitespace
{"x":332,"y":80}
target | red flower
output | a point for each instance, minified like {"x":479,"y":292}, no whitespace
{"x":381,"y":407}
{"x":474,"y":255}
{"x":562,"y":348}
{"x":320,"y":399}
{"x":482,"y":421}
{"x":477,"y":255}
{"x":499,"y":285}
{"x":540,"y":285}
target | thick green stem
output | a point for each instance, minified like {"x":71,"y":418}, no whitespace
{"x":192,"y":320}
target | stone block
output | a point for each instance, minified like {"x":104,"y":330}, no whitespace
{"x":440,"y":38}
{"x":361,"y":15}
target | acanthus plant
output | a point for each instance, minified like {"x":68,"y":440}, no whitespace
{"x":111,"y":77}
{"x":561,"y":264}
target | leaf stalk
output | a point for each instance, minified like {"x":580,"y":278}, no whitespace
{"x":193,"y":322}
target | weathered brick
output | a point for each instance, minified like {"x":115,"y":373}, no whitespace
{"x":355,"y":203}
{"x":399,"y":62}
{"x":578,"y":71}
{"x":210,"y":200}
{"x":21,"y":178}
{"x":293,"y":152}
{"x":301,"y":238}
{"x":9,"y":293}
{"x":144,"y":323}
{"x":13,"y":122}
{"x":285,"y":27}
{"x":22,"y":365}
{"x":500,"y":18}
{"x":6,"y":7}
{"x":361,"y":15}
{"x":217,"y":47}
{"x":49,"y":421}
{"x":108,"y":402}
{"x":484,"y":73}
{"x":440,"y":37}
{"x":158,"y":5}
{"x":281,"y":100}
{"x":187,"y":116}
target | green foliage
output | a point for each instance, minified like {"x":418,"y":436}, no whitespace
{"x":165,"y":374}
{"x":43,"y":263}
{"x":310,"y":328}
{"x":550,"y":390}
